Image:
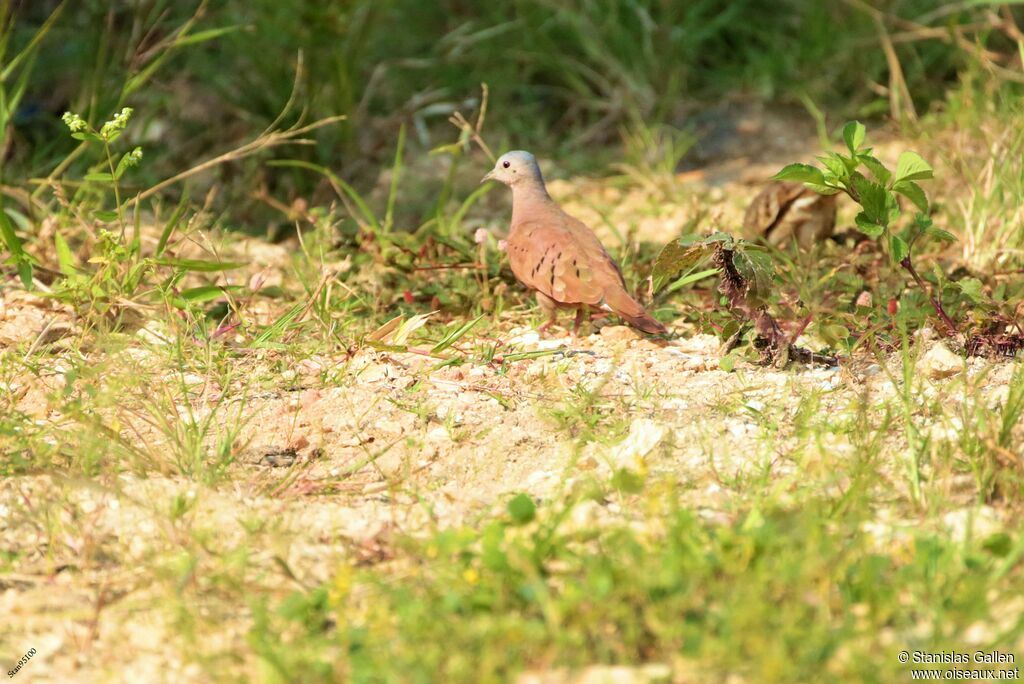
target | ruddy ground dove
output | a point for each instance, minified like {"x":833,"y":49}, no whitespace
{"x":783,"y":212}
{"x":556,"y":255}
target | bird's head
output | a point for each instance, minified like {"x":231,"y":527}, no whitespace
{"x":513,"y":168}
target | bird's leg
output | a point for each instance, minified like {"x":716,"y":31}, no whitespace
{"x":581,"y":312}
{"x":550,"y":307}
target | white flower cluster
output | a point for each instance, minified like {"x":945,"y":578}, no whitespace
{"x":116,"y":124}
{"x":74,"y":122}
{"x":134,"y":157}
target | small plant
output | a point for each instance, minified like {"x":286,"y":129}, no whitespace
{"x":747,"y":279}
{"x":105,"y":136}
{"x":873,"y":186}
{"x":119,"y":267}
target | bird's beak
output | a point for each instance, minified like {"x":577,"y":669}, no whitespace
{"x":489,"y":176}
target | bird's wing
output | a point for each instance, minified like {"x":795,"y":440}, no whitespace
{"x":561,"y":257}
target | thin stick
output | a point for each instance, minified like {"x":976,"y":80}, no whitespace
{"x":909,"y":266}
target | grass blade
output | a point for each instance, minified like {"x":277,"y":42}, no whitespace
{"x":455,"y":335}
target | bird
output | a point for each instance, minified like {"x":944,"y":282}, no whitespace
{"x":558,"y":256}
{"x":786,"y":211}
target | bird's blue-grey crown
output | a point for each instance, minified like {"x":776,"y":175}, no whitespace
{"x":515,"y":167}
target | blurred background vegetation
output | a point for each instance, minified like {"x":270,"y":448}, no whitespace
{"x":571,"y":77}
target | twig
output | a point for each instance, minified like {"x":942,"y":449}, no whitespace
{"x":909,"y":266}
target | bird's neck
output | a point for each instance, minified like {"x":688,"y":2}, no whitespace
{"x":526,"y":197}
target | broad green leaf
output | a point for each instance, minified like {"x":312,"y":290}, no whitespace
{"x":913,"y":192}
{"x":853,"y":134}
{"x":522,"y":509}
{"x":727,"y":362}
{"x":973,"y":288}
{"x":823,"y":189}
{"x":940,"y":234}
{"x":834,"y":163}
{"x":867,"y":226}
{"x":200,"y":265}
{"x":833,"y":335}
{"x":20,"y":220}
{"x":65,"y":260}
{"x":801,"y":173}
{"x":898,"y":248}
{"x":873,"y":198}
{"x":877,"y":168}
{"x":677,"y":257}
{"x":86,"y":135}
{"x":756,"y":266}
{"x":912,"y":167}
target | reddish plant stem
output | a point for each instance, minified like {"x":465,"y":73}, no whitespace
{"x":936,"y":304}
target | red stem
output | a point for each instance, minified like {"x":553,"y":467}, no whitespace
{"x":936,"y":304}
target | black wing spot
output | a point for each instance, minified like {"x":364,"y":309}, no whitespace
{"x":577,"y":272}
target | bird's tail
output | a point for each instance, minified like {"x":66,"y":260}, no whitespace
{"x":619,"y":301}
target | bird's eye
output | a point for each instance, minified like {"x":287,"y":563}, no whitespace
{"x":506,"y":164}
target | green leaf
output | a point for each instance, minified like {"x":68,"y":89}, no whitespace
{"x":200,"y":265}
{"x":21,"y":259}
{"x":202,"y":294}
{"x":940,"y":234}
{"x":973,"y":288}
{"x":679,"y":256}
{"x":123,"y":165}
{"x":874,"y":199}
{"x":834,"y":163}
{"x":690,"y":278}
{"x":203,"y":36}
{"x":65,"y":260}
{"x":912,"y":167}
{"x":756,"y":266}
{"x":834,"y":335}
{"x":877,"y":168}
{"x":455,"y":334}
{"x":278,"y":327}
{"x":171,"y":225}
{"x":99,"y":177}
{"x":867,"y":226}
{"x":898,"y":248}
{"x":913,"y":192}
{"x":627,"y":481}
{"x":853,"y":134}
{"x":105,"y":215}
{"x":86,"y":135}
{"x":522,"y":509}
{"x":823,"y":189}
{"x":801,"y":173}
